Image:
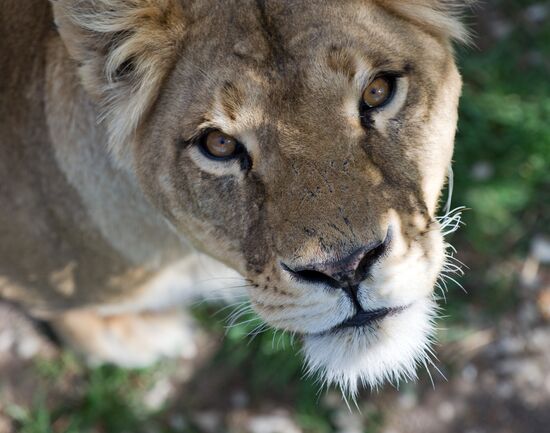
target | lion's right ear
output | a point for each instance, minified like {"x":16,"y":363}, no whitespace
{"x":439,"y":17}
{"x":125,"y":49}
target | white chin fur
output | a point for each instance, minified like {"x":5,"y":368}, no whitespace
{"x":369,"y":356}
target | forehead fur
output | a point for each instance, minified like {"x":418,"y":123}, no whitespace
{"x":127,"y":48}
{"x":276,"y":56}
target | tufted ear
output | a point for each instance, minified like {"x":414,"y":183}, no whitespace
{"x":439,"y":17}
{"x":125,"y":49}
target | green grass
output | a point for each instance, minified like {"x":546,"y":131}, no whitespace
{"x":273,"y":365}
{"x":106,"y":399}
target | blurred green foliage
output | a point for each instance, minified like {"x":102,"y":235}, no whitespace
{"x":107,"y":399}
{"x":503,"y":129}
{"x":502,"y":158}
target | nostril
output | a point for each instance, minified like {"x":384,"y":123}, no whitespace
{"x":317,"y":277}
{"x":370,"y":258}
{"x":312,"y":276}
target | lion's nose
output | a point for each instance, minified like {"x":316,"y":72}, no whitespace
{"x":343,"y":272}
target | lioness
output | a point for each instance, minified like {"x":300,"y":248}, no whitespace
{"x":153,"y":149}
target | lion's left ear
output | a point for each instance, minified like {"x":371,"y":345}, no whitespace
{"x":125,"y":49}
{"x":439,"y":17}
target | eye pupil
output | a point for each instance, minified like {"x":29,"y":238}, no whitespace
{"x":219,"y":145}
{"x":378,"y":92}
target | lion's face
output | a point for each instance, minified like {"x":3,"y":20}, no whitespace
{"x":262,"y":150}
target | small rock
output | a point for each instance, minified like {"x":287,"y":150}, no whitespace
{"x":209,"y":421}
{"x":157,"y":396}
{"x":469,"y":373}
{"x":500,"y":28}
{"x":482,"y":170}
{"x":505,"y":390}
{"x":274,"y":423}
{"x":528,"y":314}
{"x":407,"y":400}
{"x":332,"y":399}
{"x":7,"y":339}
{"x":446,"y":411}
{"x":239,"y":399}
{"x":510,"y":346}
{"x":178,"y":423}
{"x":537,"y":13}
{"x":348,"y":422}
{"x":29,"y":347}
{"x":540,"y":249}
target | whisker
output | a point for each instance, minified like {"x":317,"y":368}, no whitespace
{"x":292,"y":337}
{"x":442,"y":291}
{"x":454,"y":281}
{"x":234,"y":317}
{"x":273,"y":338}
{"x":262,"y":327}
{"x":229,"y":327}
{"x":437,"y":369}
{"x":240,"y":312}
{"x":213,"y":300}
{"x":227,"y":307}
{"x":281,"y":338}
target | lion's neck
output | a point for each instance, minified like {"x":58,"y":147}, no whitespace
{"x":110,"y":194}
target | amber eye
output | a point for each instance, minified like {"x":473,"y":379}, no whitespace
{"x":219,"y":145}
{"x":378,"y":92}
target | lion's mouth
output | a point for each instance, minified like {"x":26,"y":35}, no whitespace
{"x":364,"y":318}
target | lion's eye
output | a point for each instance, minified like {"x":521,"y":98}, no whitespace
{"x":218,"y":145}
{"x":378,"y":92}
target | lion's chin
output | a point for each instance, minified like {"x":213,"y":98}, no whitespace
{"x":389,"y":350}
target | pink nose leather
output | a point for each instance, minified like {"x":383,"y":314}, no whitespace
{"x":343,"y":269}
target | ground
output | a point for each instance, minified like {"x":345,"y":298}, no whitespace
{"x":495,"y":339}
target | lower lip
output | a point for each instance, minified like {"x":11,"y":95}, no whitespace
{"x":364,"y":318}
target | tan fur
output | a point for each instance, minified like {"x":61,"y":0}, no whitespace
{"x":130,"y":340}
{"x":439,"y":17}
{"x":103,"y":190}
{"x":105,"y":35}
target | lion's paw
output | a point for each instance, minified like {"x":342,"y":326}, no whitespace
{"x":129,"y":340}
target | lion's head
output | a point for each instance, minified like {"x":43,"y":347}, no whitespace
{"x":302,"y":143}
